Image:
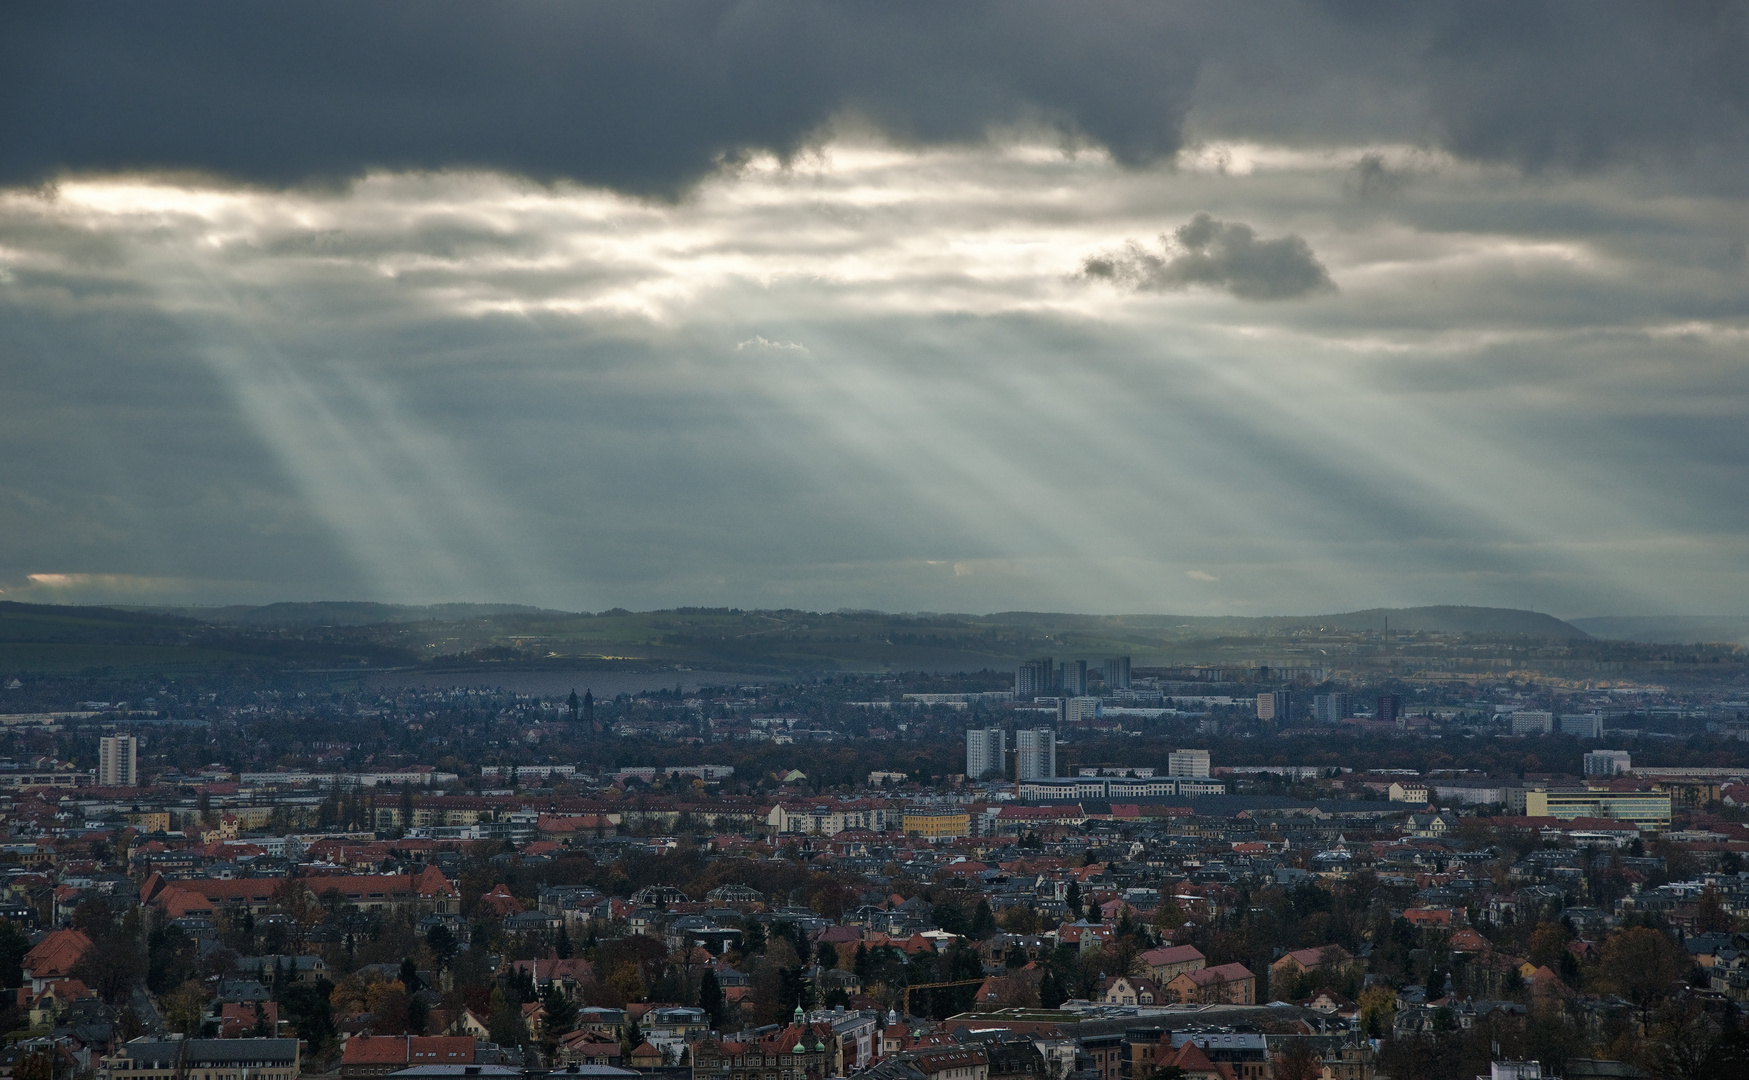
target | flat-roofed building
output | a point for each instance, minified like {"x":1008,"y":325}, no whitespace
{"x":985,"y":750}
{"x":1647,"y":809}
{"x":118,"y":761}
{"x":1035,"y":753}
{"x":1187,"y":763}
{"x":1117,"y":674}
{"x":1533,"y":722}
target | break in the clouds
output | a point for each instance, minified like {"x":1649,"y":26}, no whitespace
{"x":1219,"y":254}
{"x":836,"y":305}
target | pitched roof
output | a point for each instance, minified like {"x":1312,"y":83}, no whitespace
{"x":1173,"y":954}
{"x":408,"y":1049}
{"x":54,"y":956}
{"x":1311,"y":958}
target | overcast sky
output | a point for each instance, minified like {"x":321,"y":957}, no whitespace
{"x":1248,"y":308}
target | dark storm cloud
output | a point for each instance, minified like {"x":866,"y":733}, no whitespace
{"x":1371,"y":178}
{"x":648,"y":97}
{"x":641,"y":97}
{"x":1219,"y":254}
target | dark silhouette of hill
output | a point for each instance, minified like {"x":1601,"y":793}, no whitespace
{"x":1667,"y":629}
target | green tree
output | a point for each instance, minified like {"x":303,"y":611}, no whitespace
{"x":950,"y":915}
{"x":310,"y":1009}
{"x":561,"y":1013}
{"x":983,"y":922}
{"x":442,"y":944}
{"x":710,"y":997}
{"x":752,"y":936}
{"x":826,"y":954}
{"x":1050,"y":991}
{"x":1073,"y":898}
{"x":13,"y":946}
{"x":504,"y":1021}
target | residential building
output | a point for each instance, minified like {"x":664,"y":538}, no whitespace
{"x":1412,"y":791}
{"x":1228,"y":1055}
{"x":1230,"y":984}
{"x":147,"y":1058}
{"x":1274,"y":705}
{"x":1065,"y":789}
{"x":1035,"y":753}
{"x":1390,"y":709}
{"x":799,"y":1050}
{"x":1072,"y":678}
{"x":1584,"y":725}
{"x":828,"y":817}
{"x":937,"y":823}
{"x":379,"y":1055}
{"x":1117,"y":674}
{"x":1035,"y":678}
{"x":1187,"y":763}
{"x":1331,"y":708}
{"x":1076,"y":709}
{"x":1533,"y":722}
{"x":1167,"y":963}
{"x":1608,"y":763}
{"x":1332,"y":958}
{"x":118,"y":761}
{"x":427,"y":890}
{"x":986,"y":749}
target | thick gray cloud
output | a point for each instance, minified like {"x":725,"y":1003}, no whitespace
{"x":648,"y":97}
{"x":441,"y":346}
{"x":1221,"y":254}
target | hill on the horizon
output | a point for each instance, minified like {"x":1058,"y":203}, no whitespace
{"x":1668,"y":629}
{"x":342,"y":613}
{"x":1442,"y":619}
{"x":311,"y":636}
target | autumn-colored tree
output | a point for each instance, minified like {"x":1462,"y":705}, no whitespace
{"x":1021,"y":919}
{"x":1640,"y":964}
{"x":1169,"y":916}
{"x":627,"y":984}
{"x":1377,"y":1003}
{"x":185,"y":1007}
{"x":1299,"y":1063}
{"x":1547,"y":942}
{"x":34,"y":1066}
{"x":1711,"y":916}
{"x":389,"y":1006}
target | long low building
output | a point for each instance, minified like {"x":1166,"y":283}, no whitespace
{"x":427,"y":890}
{"x":829,"y":817}
{"x":1077,"y":788}
{"x":1647,"y":809}
{"x":202,"y":1059}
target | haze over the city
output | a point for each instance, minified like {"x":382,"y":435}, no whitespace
{"x":1260,"y":308}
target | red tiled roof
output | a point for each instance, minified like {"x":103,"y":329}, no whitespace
{"x":54,"y":956}
{"x":409,"y":1049}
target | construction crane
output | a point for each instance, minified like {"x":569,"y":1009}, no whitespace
{"x":932,"y":986}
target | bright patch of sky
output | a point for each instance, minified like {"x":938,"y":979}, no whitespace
{"x":885,"y":376}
